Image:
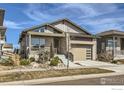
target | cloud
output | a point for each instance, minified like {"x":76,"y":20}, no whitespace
{"x":38,"y":12}
{"x":90,"y":10}
{"x":94,"y":17}
{"x":12,"y":25}
{"x":33,"y":12}
{"x":99,"y":25}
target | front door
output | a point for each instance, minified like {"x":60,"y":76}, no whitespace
{"x":122,"y":43}
{"x":56,"y":45}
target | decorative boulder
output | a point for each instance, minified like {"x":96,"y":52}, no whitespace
{"x":34,"y":65}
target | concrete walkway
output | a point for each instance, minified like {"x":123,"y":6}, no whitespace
{"x":102,"y":65}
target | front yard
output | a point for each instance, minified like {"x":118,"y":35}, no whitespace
{"x":16,"y":76}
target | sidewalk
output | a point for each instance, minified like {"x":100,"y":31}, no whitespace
{"x":57,"y":79}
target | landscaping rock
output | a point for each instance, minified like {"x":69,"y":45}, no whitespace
{"x":34,"y":65}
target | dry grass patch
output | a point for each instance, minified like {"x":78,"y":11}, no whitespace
{"x":121,"y":61}
{"x":50,"y":73}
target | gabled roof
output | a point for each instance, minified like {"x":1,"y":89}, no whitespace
{"x":43,"y":25}
{"x":111,"y":32}
{"x":59,"y":30}
{"x":52,"y":23}
{"x":72,"y":23}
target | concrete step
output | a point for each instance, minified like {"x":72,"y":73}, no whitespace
{"x":65,"y":61}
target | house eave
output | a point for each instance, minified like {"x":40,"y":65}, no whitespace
{"x":81,"y":35}
{"x":46,"y":34}
{"x":111,"y":33}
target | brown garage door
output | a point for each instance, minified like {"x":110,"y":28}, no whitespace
{"x":81,"y":52}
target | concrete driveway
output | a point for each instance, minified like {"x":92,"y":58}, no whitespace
{"x":102,"y":65}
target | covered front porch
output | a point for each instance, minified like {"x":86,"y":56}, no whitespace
{"x":49,"y":42}
{"x":115,"y":45}
{"x":112,"y":42}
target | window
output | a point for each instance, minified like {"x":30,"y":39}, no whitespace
{"x":39,"y":29}
{"x":37,"y":42}
{"x":89,"y":53}
{"x":110,"y":43}
{"x":42,"y":29}
{"x":36,"y":30}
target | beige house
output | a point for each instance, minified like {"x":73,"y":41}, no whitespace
{"x":4,"y":46}
{"x":64,"y":36}
{"x":111,"y":41}
{"x":7,"y":47}
{"x":2,"y":30}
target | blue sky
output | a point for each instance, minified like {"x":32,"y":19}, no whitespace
{"x":93,"y":17}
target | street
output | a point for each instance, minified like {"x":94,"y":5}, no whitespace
{"x":110,"y":80}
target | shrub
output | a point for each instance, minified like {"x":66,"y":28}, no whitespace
{"x":114,"y":62}
{"x":43,"y":56}
{"x":24,"y":62}
{"x":55,"y":61}
{"x":7,"y":62}
{"x":32,"y":59}
{"x":106,"y":57}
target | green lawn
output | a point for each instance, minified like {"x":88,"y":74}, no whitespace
{"x":50,"y":73}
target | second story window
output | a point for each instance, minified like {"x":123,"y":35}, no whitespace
{"x":39,"y":29}
{"x":42,"y":29}
{"x":36,"y":30}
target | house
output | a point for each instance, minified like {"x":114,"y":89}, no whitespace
{"x":7,"y":47}
{"x":3,"y":44}
{"x":112,"y":42}
{"x":64,"y":36}
{"x":2,"y":30}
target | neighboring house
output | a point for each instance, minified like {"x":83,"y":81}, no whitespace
{"x":63,"y":36}
{"x":112,"y":42}
{"x":2,"y":34}
{"x":2,"y":30}
{"x":7,"y":47}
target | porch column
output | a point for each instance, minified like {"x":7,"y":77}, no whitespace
{"x":29,"y":43}
{"x":94,"y":50}
{"x":68,"y":41}
{"x":113,"y":47}
{"x":118,"y":43}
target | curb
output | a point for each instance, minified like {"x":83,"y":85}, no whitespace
{"x":58,"y":79}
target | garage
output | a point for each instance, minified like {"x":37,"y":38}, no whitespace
{"x":81,"y":52}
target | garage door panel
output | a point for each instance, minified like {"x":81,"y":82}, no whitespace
{"x":77,"y":52}
{"x":81,"y":52}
